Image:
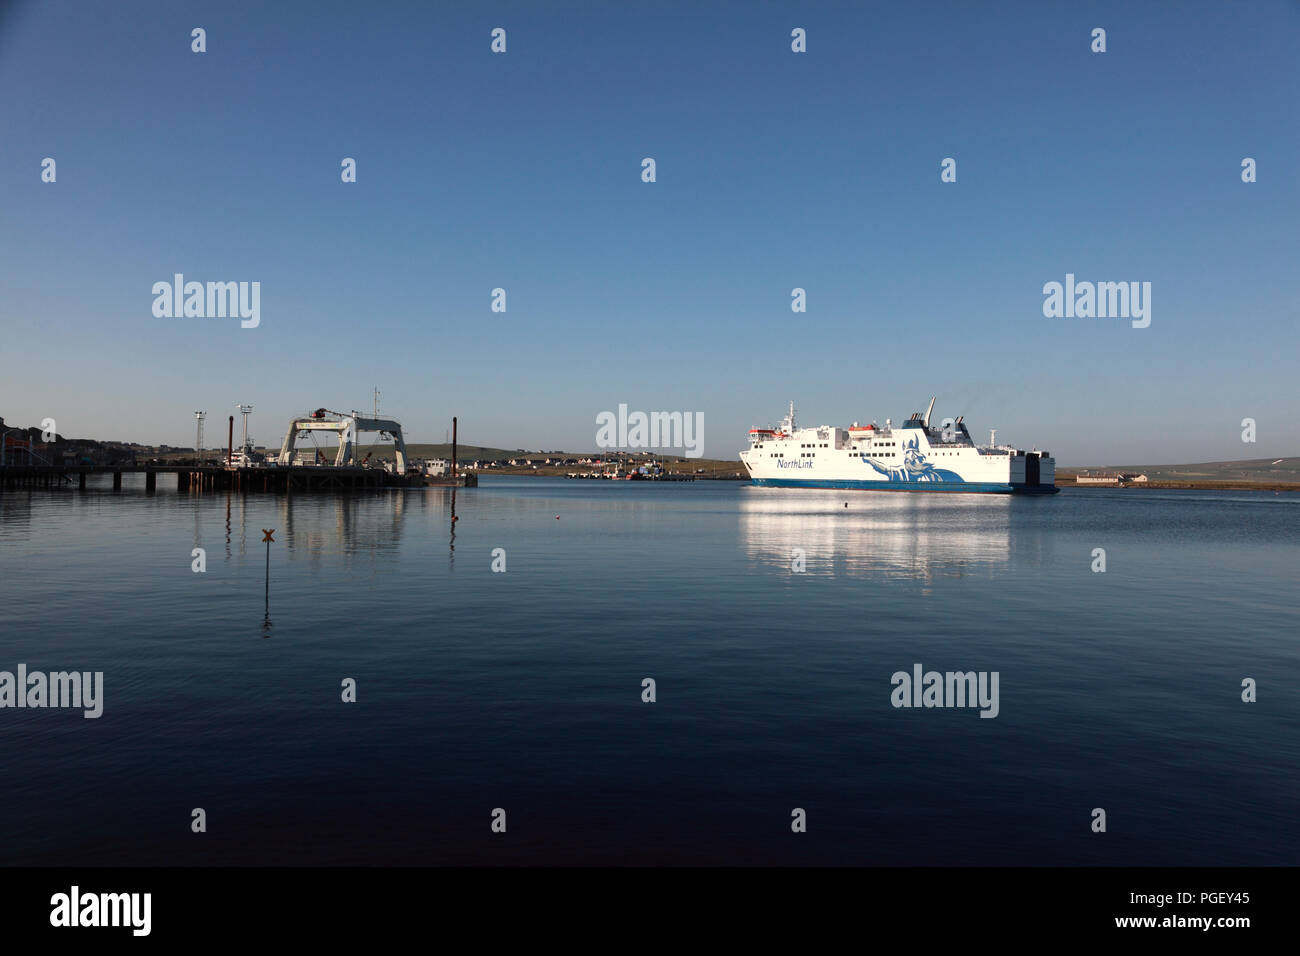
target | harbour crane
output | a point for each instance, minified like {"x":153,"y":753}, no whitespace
{"x":346,"y":426}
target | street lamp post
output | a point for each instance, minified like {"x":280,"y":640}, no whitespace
{"x":198,"y":438}
{"x":245,"y":410}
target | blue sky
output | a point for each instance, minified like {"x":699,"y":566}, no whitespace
{"x":775,"y":170}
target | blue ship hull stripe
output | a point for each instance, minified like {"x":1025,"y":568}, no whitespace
{"x":982,"y":487}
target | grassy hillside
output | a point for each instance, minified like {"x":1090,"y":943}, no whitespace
{"x":709,"y":467}
{"x":463,"y":452}
{"x":1287,"y":471}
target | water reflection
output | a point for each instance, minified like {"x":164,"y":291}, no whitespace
{"x":451,"y":553}
{"x":15,"y":514}
{"x":867,"y":533}
{"x":315,"y":527}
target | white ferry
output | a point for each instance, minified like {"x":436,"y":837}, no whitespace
{"x":911,"y":457}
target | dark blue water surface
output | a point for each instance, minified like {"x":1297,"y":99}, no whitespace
{"x":522,"y":690}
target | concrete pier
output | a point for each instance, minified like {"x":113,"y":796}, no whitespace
{"x":201,"y":478}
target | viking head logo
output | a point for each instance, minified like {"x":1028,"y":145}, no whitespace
{"x":913,"y":460}
{"x":913,"y":467}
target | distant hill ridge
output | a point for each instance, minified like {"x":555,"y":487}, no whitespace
{"x":1254,"y":469}
{"x":463,"y":452}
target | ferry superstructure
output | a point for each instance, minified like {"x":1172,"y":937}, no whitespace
{"x":914,"y":456}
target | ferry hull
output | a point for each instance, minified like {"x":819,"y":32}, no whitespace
{"x":949,"y":487}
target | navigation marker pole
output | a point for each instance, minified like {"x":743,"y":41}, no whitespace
{"x":266,"y":537}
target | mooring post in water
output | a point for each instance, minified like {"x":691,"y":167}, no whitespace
{"x":230,"y":441}
{"x":453,"y":448}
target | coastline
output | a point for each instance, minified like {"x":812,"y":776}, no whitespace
{"x":1238,"y":485}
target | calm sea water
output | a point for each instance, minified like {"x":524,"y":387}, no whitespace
{"x":522,"y":690}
